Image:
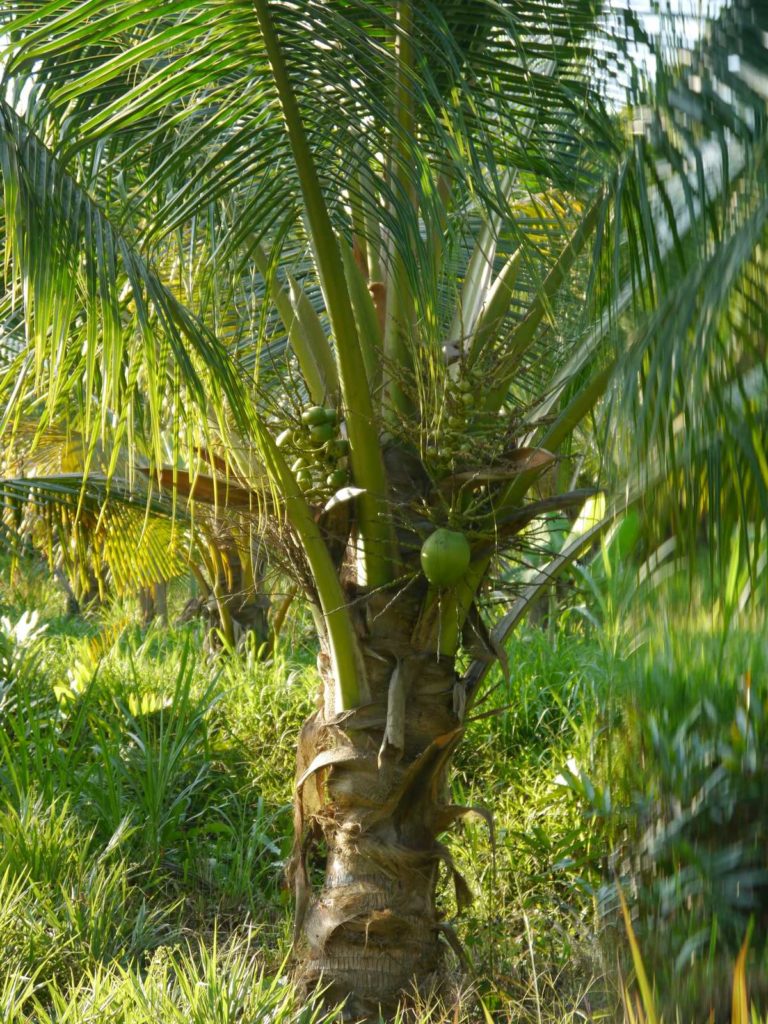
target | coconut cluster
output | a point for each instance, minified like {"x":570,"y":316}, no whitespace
{"x":459,"y":425}
{"x":319,"y":459}
{"x":319,"y":456}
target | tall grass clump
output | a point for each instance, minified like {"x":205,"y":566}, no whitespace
{"x":132,"y":809}
{"x":198,"y":984}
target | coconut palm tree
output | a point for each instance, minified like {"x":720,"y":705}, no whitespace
{"x":389,"y":261}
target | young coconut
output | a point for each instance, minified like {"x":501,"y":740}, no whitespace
{"x":445,"y":557}
{"x":313,"y":416}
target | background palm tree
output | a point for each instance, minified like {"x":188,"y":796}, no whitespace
{"x":385,"y":261}
{"x":105,"y":534}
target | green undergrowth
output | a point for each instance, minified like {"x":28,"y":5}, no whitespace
{"x":145,"y":820}
{"x":683,"y":803}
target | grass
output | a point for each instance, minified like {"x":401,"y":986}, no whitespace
{"x":145,"y":818}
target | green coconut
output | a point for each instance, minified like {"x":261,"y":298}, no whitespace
{"x":321,"y":433}
{"x":314,"y":416}
{"x":445,"y":557}
{"x":339,"y":448}
{"x":336,"y":479}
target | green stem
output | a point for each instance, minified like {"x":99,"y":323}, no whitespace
{"x":367,"y":464}
{"x":346,"y":657}
{"x":365,"y":315}
{"x":400,"y":314}
{"x":348,"y":672}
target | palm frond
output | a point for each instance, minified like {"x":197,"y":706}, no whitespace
{"x":65,"y":260}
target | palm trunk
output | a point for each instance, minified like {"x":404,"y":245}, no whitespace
{"x":370,"y":787}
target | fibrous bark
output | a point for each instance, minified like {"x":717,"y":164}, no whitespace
{"x":370,"y":789}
